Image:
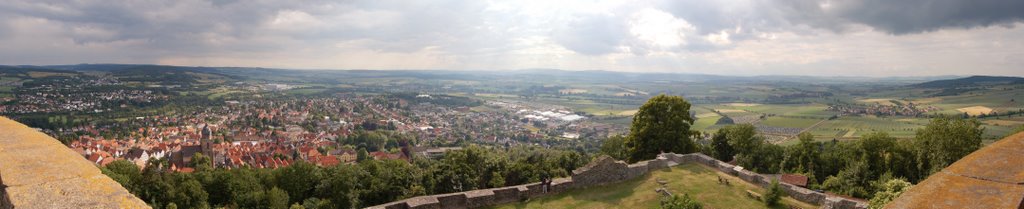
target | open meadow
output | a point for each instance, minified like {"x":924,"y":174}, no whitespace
{"x":700,"y":182}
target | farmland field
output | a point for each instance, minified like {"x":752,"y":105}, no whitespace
{"x":696,"y":180}
{"x":703,"y":123}
{"x":807,"y":110}
{"x":883,"y":101}
{"x":789,"y":122}
{"x":845,"y":127}
{"x":975,"y":110}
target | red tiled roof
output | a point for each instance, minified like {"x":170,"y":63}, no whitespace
{"x":794,"y":179}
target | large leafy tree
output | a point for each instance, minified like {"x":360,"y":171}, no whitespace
{"x":188,"y":192}
{"x":720,"y":147}
{"x":341,"y":185}
{"x":124,"y":172}
{"x":299,"y":180}
{"x":277,"y":199}
{"x":945,"y":140}
{"x":615,"y":146}
{"x":661,"y":125}
{"x":743,"y":138}
{"x":201,"y":162}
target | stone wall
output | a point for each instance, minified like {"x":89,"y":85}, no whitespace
{"x":37,"y":171}
{"x":605,"y":170}
{"x":795,"y":192}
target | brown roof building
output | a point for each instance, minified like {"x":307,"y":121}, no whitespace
{"x":794,"y":179}
{"x":992,"y":177}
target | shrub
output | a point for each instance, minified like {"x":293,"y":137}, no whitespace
{"x":774,"y":194}
{"x":677,"y":202}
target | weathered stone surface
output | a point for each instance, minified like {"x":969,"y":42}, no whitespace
{"x":457,"y":200}
{"x":602,"y":170}
{"x":40,"y":172}
{"x":992,"y":177}
{"x":426,"y":202}
{"x":479,"y":198}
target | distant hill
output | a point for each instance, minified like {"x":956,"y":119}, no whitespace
{"x":28,"y":73}
{"x":169,"y":75}
{"x":970,"y":81}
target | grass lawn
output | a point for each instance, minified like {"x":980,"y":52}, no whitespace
{"x":700,"y":182}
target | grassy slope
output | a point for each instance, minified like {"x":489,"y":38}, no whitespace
{"x":698,"y":181}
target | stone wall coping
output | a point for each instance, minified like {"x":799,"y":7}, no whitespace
{"x":40,"y":172}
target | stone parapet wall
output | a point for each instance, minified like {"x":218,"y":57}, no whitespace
{"x":37,"y":171}
{"x":605,"y":170}
{"x":795,"y":192}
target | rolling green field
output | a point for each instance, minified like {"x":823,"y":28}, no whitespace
{"x":847,"y":127}
{"x":306,"y":91}
{"x":804,"y":110}
{"x":704,"y":123}
{"x":789,"y":122}
{"x":700,"y":182}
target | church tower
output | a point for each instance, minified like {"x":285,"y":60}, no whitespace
{"x":206,"y":142}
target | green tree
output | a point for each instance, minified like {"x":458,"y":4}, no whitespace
{"x":201,"y":162}
{"x":945,"y":140}
{"x":297,"y":206}
{"x":661,"y":125}
{"x":298,"y":179}
{"x":892,"y":189}
{"x":743,"y":138}
{"x":277,"y":199}
{"x":124,"y":172}
{"x":362,"y":155}
{"x":774,"y":194}
{"x":852,"y":181}
{"x":807,"y":152}
{"x":171,"y":206}
{"x":391,"y":181}
{"x":188,"y":192}
{"x":341,"y":185}
{"x":615,"y":146}
{"x":720,"y":146}
{"x":245,"y":189}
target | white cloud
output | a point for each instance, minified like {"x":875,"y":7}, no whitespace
{"x":816,"y":37}
{"x":659,"y":29}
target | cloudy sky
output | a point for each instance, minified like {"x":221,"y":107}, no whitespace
{"x":730,"y":37}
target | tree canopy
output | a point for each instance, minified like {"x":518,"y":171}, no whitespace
{"x":661,"y":125}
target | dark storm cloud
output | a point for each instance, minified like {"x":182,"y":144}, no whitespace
{"x":894,"y":17}
{"x":715,"y":16}
{"x":187,"y":25}
{"x":161,"y":25}
{"x":915,"y":16}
